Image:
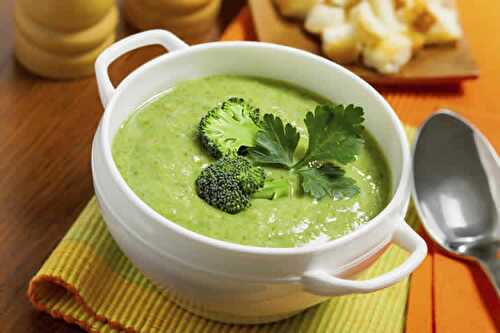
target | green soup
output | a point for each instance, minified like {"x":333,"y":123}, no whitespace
{"x":158,"y":155}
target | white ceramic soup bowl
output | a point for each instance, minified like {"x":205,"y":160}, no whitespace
{"x":226,"y":281}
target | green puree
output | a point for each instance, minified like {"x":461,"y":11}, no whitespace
{"x":158,"y":154}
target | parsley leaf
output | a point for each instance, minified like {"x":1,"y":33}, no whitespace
{"x":275,"y":143}
{"x":334,"y":134}
{"x":327,"y":179}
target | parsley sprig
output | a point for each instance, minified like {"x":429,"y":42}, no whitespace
{"x":275,"y":143}
{"x":334,"y":136}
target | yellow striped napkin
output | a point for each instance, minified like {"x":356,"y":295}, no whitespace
{"x":88,"y":281}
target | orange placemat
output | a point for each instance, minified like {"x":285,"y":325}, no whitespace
{"x":446,"y":294}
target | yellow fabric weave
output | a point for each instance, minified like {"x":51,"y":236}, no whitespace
{"x":88,"y":281}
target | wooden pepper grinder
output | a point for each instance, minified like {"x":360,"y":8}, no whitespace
{"x":61,"y":39}
{"x":192,"y":20}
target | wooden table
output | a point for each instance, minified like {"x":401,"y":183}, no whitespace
{"x":46,"y":128}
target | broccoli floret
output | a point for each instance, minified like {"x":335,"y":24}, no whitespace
{"x":222,"y":191}
{"x":229,"y":127}
{"x":251,"y":177}
{"x":229,"y":182}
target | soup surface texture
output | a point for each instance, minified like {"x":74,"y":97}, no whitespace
{"x":158,"y":154}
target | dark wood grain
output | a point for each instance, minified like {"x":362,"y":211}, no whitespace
{"x":46,"y":128}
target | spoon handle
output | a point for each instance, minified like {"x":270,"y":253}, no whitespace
{"x":491,"y":267}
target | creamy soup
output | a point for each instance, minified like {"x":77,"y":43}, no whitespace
{"x":158,"y":154}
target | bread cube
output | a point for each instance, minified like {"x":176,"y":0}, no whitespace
{"x":322,"y":16}
{"x":369,"y":28}
{"x":385,"y":11}
{"x":446,"y":28}
{"x":417,"y":39}
{"x":389,"y":55}
{"x":340,"y":44}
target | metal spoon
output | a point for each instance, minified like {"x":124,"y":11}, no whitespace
{"x":456,"y":174}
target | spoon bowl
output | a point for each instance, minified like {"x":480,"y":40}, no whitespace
{"x":456,"y":174}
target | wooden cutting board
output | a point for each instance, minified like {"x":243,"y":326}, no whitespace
{"x":431,"y":65}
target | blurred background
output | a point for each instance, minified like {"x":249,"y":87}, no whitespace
{"x":61,"y":40}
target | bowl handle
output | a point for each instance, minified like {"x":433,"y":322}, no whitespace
{"x":151,"y":37}
{"x":322,"y":283}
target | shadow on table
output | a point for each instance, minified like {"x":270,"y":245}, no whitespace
{"x":445,"y":90}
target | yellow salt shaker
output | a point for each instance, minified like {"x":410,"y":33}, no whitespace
{"x":62,"y":38}
{"x":192,"y":20}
